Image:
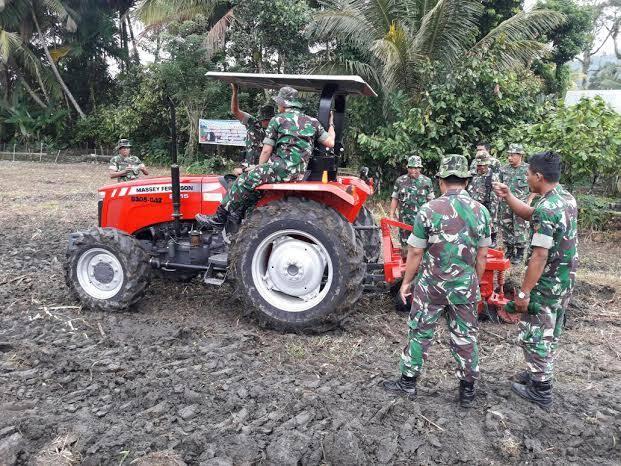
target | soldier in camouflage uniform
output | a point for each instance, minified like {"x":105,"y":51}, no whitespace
{"x":411,"y":191}
{"x":447,"y":255}
{"x":287,"y":148}
{"x":550,"y":276}
{"x":481,"y":190}
{"x":514,"y":228}
{"x":125,"y":167}
{"x":255,"y":130}
{"x":494,"y":163}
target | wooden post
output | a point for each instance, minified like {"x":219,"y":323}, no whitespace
{"x":41,"y":152}
{"x":56,"y":159}
{"x":13,"y":152}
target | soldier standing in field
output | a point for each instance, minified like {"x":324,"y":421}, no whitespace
{"x":447,"y":255}
{"x":255,"y":130}
{"x":514,"y":228}
{"x":287,"y":148}
{"x":481,"y":189}
{"x":550,"y":276}
{"x":494,"y":163}
{"x":411,"y":191}
{"x":123,"y":166}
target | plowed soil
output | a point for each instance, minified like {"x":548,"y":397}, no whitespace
{"x":188,"y":377}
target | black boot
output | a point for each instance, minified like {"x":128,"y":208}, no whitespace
{"x":216,"y":221}
{"x":539,"y":393}
{"x":518,"y":255}
{"x":467,"y":393}
{"x":523,"y":378}
{"x":494,"y":243}
{"x":403,"y":386}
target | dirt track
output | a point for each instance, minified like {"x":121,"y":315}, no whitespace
{"x":187,"y":378}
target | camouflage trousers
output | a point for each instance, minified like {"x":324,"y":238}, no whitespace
{"x":539,"y":336}
{"x":463,"y":325}
{"x":405,"y":234}
{"x":515,"y":229}
{"x":242,"y":192}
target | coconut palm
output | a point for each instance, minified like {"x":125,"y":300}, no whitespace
{"x":395,"y":39}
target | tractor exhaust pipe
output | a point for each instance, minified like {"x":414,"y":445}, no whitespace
{"x":174,"y":169}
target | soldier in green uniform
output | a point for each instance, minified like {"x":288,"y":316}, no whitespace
{"x":123,"y":166}
{"x":255,"y":130}
{"x":514,"y":228}
{"x":550,"y":276}
{"x":447,"y":254}
{"x":481,"y":190}
{"x":287,"y":148}
{"x":494,"y":163}
{"x":411,"y":191}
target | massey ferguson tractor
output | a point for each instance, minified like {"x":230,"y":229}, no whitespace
{"x":301,"y":257}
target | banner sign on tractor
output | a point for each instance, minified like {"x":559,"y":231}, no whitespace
{"x":222,"y":132}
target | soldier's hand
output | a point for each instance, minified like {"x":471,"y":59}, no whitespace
{"x":521,"y":305}
{"x":501,"y":189}
{"x":405,"y":292}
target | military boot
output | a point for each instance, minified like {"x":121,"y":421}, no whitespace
{"x":467,"y":393}
{"x":539,"y":393}
{"x":403,"y":386}
{"x":523,"y":378}
{"x":215,"y":222}
{"x":518,"y":256}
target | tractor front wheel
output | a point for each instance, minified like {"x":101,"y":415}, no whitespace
{"x":298,"y":264}
{"x":106,"y":269}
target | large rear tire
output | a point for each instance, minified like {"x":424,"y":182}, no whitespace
{"x":297,"y":264}
{"x":106,"y":269}
{"x":371,"y":239}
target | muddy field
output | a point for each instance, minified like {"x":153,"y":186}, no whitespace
{"x":188,"y":378}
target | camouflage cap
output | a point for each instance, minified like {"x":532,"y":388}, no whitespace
{"x":515,"y":149}
{"x":123,"y":143}
{"x":454,"y":164}
{"x":414,"y":161}
{"x":482,"y":158}
{"x":266,"y":112}
{"x":288,"y":97}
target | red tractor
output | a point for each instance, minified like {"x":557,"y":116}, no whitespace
{"x":304,"y":254}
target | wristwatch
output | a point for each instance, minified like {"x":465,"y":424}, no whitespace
{"x":522,"y":295}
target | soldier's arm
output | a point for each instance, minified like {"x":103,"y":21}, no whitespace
{"x":266,"y":152}
{"x":485,"y":240}
{"x":118,"y":174}
{"x":520,"y":208}
{"x":481,"y":262}
{"x":327,"y":138}
{"x":415,"y":256}
{"x":394,"y":203}
{"x":271,"y":136}
{"x":240,"y":115}
{"x":143,"y":169}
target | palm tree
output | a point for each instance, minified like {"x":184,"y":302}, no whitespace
{"x":395,"y":39}
{"x":17,"y":20}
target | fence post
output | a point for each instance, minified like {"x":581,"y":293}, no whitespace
{"x":41,"y":152}
{"x":13,"y":152}
{"x":56,"y":159}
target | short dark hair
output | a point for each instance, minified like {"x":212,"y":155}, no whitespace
{"x":546,"y":163}
{"x":452,"y":179}
{"x":484,"y":144}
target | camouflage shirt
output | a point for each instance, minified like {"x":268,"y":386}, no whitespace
{"x":255,"y":133}
{"x":412,"y":193}
{"x":554,"y":224}
{"x":481,"y":190}
{"x":293,"y":135}
{"x":494,"y":164}
{"x":515,"y":179}
{"x":133,"y":163}
{"x":450,"y":229}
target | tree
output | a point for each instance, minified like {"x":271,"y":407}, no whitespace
{"x":568,"y":39}
{"x":398,"y":38}
{"x":497,"y":11}
{"x":607,"y":77}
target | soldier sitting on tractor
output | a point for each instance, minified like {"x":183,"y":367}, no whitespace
{"x":123,"y":166}
{"x":287,"y":148}
{"x":255,"y":130}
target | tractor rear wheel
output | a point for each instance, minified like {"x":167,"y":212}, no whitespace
{"x":106,"y":269}
{"x":298,"y":264}
{"x":371,"y":239}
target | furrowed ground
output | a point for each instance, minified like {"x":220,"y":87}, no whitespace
{"x":188,"y":377}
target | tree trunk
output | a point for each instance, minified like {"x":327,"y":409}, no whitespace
{"x":124,"y":41}
{"x":33,"y":95}
{"x":133,"y":39}
{"x":55,"y":69}
{"x":586,"y":64}
{"x":158,"y":46}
